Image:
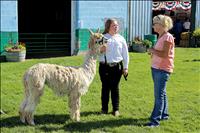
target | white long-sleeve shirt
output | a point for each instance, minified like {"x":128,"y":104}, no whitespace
{"x":116,"y":50}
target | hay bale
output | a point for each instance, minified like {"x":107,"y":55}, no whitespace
{"x":185,"y":36}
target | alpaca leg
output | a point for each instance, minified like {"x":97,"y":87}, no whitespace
{"x":23,"y":104}
{"x":32,"y":101}
{"x":77,"y":110}
{"x":21,"y":110}
{"x":74,"y":106}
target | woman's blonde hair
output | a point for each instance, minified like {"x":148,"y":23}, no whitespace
{"x":165,"y":21}
{"x":107,"y":24}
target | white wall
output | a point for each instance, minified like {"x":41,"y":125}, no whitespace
{"x":9,"y":15}
{"x":197,"y":17}
{"x":91,"y":14}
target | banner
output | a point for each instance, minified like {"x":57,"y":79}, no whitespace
{"x":157,"y":5}
{"x":171,"y":5}
{"x":185,"y":5}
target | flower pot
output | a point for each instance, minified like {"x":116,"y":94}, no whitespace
{"x":16,"y":56}
{"x":139,"y":48}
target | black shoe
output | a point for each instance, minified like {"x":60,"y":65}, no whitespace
{"x":165,"y":118}
{"x":152,"y":124}
{"x":104,"y":112}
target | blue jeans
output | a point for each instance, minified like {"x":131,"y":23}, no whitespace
{"x":160,"y":110}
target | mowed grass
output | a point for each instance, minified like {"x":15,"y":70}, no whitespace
{"x":136,"y":99}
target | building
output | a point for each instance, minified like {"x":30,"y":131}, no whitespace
{"x":60,"y":28}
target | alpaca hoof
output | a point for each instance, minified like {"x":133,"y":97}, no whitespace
{"x":30,"y":119}
{"x":32,"y":123}
{"x":22,"y":118}
{"x":77,"y":119}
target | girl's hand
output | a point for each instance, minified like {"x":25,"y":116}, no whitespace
{"x":103,"y":49}
{"x":125,"y":71}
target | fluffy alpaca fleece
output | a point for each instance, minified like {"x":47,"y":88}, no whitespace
{"x":71,"y":81}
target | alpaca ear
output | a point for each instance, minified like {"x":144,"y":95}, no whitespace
{"x":91,"y":33}
{"x":98,"y":30}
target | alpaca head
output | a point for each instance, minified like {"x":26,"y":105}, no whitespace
{"x":96,"y":40}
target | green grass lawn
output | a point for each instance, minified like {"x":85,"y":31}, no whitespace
{"x":136,"y":99}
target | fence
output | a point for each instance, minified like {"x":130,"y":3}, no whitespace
{"x":40,"y":45}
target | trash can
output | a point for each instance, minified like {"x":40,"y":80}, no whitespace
{"x":152,"y":38}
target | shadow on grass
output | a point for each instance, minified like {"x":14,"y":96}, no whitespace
{"x":194,"y":60}
{"x":91,"y":125}
{"x":39,"y":119}
{"x":84,"y":126}
{"x":87,"y":126}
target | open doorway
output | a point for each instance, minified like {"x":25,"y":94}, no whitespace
{"x":180,"y":12}
{"x":45,"y":27}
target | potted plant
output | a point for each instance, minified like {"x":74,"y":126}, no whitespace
{"x":147,"y":43}
{"x":15,"y":52}
{"x":139,"y":45}
{"x":196,"y":35}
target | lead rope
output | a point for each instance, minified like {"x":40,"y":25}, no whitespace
{"x":105,"y":59}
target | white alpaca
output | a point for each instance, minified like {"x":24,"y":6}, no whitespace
{"x":70,"y":81}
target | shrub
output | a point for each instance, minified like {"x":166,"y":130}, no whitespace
{"x":196,"y":33}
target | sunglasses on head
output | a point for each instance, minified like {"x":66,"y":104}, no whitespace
{"x":158,"y":17}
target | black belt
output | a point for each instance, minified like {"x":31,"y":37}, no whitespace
{"x":110,"y":64}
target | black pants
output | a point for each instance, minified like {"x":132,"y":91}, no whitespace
{"x":110,"y":78}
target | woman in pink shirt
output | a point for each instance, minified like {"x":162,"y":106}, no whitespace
{"x":162,"y":64}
